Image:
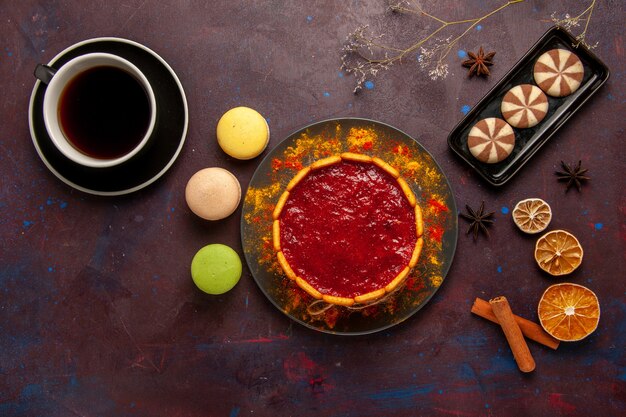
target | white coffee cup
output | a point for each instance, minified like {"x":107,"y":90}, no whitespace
{"x":58,"y":80}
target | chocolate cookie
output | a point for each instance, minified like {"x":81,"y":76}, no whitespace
{"x":524,"y":106}
{"x":558,"y":72}
{"x":491,"y":140}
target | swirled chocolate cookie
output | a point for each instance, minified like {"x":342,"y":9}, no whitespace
{"x":558,"y":72}
{"x":524,"y":106}
{"x":491,"y":140}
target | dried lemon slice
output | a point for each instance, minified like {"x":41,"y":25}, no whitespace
{"x":558,"y":252}
{"x":532,"y":215}
{"x":569,"y":312}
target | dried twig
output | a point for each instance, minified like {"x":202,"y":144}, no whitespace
{"x":364,"y":55}
{"x":568,"y":22}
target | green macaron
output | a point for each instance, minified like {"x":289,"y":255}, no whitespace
{"x":216,"y":269}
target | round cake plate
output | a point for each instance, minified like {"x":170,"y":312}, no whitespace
{"x":165,"y":144}
{"x":416,"y":165}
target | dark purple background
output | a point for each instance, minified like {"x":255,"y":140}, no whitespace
{"x":98,"y":313}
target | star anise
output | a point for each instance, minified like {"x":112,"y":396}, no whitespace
{"x":573,"y":175}
{"x":478,"y":63}
{"x":479,"y":220}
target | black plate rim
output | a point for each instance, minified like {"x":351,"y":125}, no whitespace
{"x":453,"y":211}
{"x":138,"y":187}
{"x":550,"y":32}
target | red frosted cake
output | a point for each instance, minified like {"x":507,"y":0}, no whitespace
{"x":347,"y":229}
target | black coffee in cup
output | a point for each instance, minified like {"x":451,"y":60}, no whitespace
{"x":104,"y":112}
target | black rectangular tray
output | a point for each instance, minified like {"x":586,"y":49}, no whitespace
{"x":529,"y":141}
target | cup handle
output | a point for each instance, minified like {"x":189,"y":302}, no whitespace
{"x":44,"y":73}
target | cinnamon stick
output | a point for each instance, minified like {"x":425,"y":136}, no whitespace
{"x":514,"y":336}
{"x":529,"y":329}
